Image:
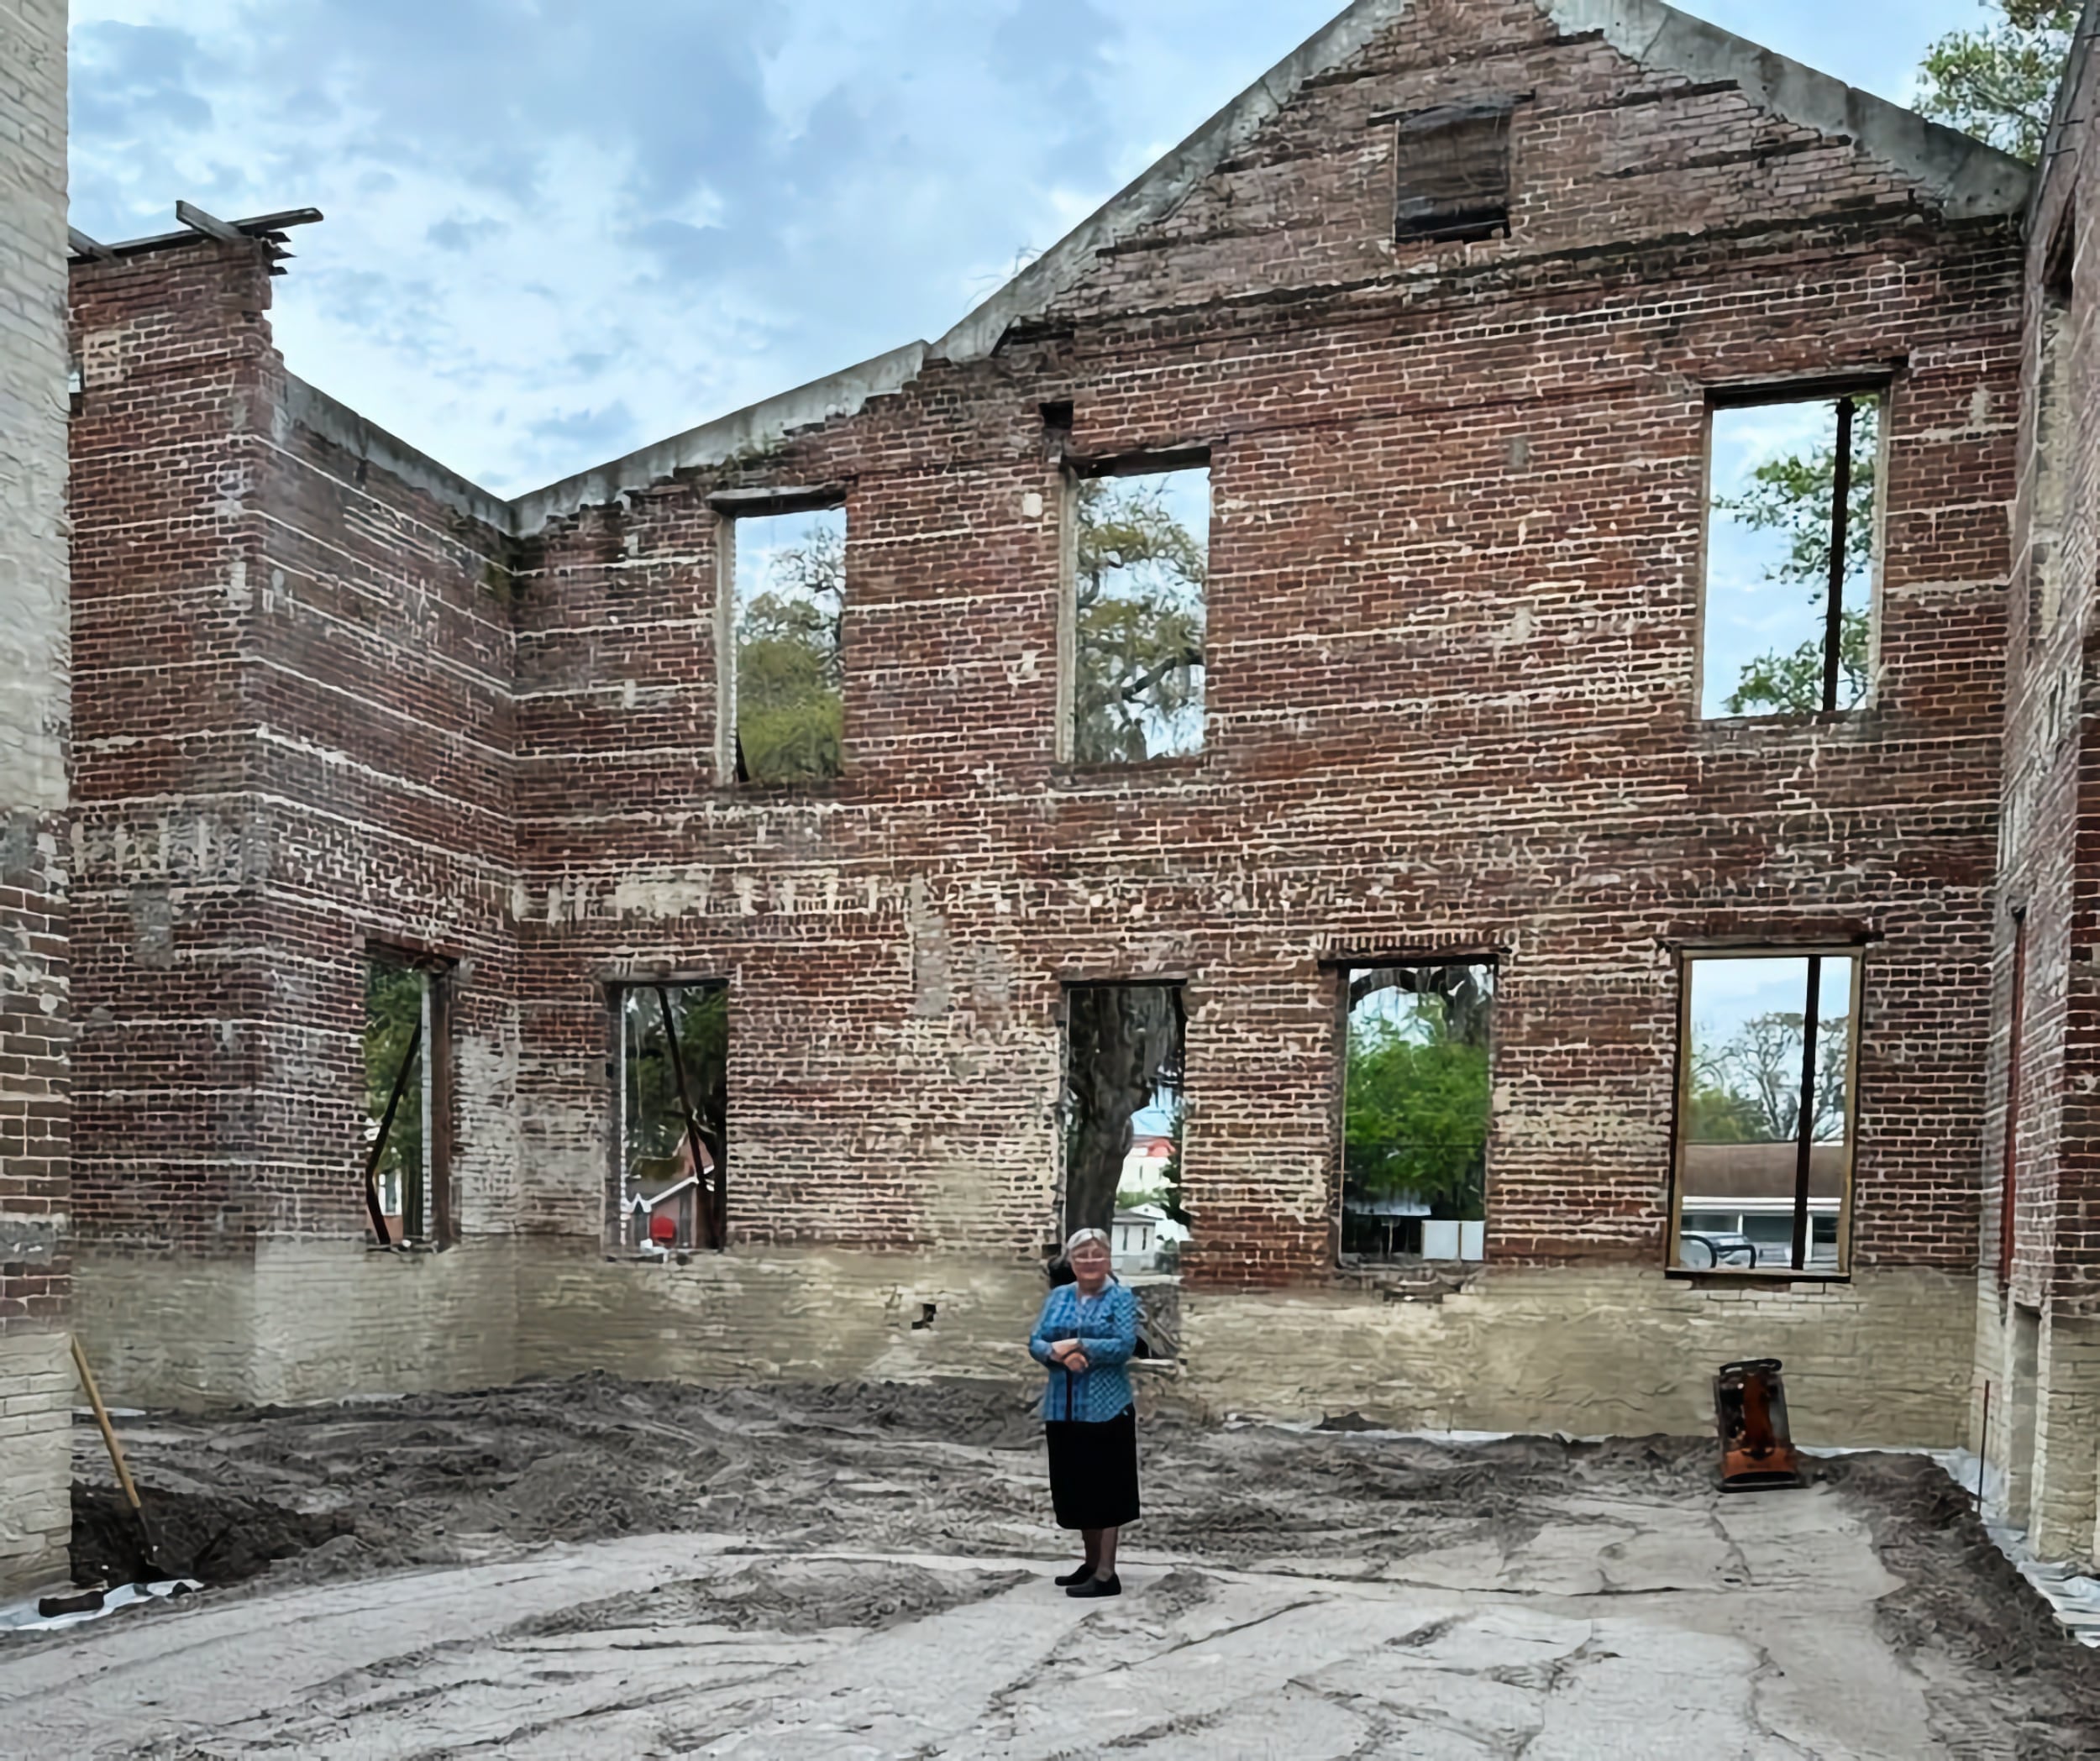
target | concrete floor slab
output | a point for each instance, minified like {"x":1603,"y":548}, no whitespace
{"x":879,"y":1588}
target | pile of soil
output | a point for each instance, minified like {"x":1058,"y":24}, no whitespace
{"x":1960,"y":1594}
{"x":193,"y":1534}
{"x":944,"y":1466}
{"x":348,"y":1489}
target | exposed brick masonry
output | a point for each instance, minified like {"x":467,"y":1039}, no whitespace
{"x":295,"y":675}
{"x":35,"y":1256}
{"x":1452,"y":690}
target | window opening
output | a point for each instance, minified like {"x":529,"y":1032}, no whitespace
{"x":1453,"y":173}
{"x":788,"y":594}
{"x":2008,"y":1181}
{"x":1790,"y":548}
{"x":672,"y":1140}
{"x":1140,"y":564}
{"x":1415,"y":1108}
{"x":407,"y":1123}
{"x":1124,"y":1047}
{"x":1765,"y":1127}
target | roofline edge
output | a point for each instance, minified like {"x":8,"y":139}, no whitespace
{"x":756,"y":427}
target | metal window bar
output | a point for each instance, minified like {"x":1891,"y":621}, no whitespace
{"x":437,"y":1105}
{"x":1840,"y":515}
{"x":1804,"y":1131}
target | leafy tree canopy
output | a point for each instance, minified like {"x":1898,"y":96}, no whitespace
{"x":1746,"y":1089}
{"x":1415,"y":1108}
{"x":1138,"y":583}
{"x":1999,"y":83}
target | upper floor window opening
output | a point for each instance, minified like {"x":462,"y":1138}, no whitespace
{"x":784,"y":682}
{"x":1139,"y":561}
{"x":1452,"y":172}
{"x":1792,"y":537}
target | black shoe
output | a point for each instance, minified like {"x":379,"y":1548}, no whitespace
{"x":1109,"y":1585}
{"x":1067,"y":1579}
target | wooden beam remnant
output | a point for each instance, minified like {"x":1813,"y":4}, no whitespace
{"x":210,"y":225}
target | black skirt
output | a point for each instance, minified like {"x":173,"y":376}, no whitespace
{"x":1094,"y":1471}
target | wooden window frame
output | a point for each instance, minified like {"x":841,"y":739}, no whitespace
{"x":1800,"y":1270}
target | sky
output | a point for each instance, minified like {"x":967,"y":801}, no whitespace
{"x":1726,"y":994}
{"x":558,"y":230}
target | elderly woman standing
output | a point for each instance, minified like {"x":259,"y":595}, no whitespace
{"x":1087,"y":1332}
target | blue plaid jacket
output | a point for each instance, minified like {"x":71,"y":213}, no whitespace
{"x":1108,"y":1325}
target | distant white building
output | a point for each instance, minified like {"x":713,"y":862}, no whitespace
{"x":1138,"y":1234}
{"x":1145,"y":1168}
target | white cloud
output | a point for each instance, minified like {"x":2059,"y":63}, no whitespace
{"x":555,"y":233}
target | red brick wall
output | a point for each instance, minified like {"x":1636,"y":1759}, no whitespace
{"x":298,"y":672}
{"x":1455,"y":577}
{"x":2050,"y":858}
{"x":1453,"y":631}
{"x":166,"y":886}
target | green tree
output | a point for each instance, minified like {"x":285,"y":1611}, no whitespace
{"x":1792,"y":496}
{"x":1747,"y":1088}
{"x":1138,"y":584}
{"x":1123,"y":1044}
{"x":1415,"y":1109}
{"x":393,"y":1012}
{"x":1999,"y":83}
{"x":791,"y":665}
{"x":656,"y":1119}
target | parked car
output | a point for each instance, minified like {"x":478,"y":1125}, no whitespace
{"x":1703,"y":1249}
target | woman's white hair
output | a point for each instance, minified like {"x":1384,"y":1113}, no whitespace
{"x":1079,"y":1238}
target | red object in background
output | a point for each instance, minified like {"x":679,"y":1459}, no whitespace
{"x":663,"y":1229}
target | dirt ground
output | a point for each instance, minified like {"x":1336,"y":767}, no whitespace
{"x":656,"y":1568}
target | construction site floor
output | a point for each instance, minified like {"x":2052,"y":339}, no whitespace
{"x":614,"y":1569}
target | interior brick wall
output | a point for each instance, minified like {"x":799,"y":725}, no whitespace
{"x":297,"y":671}
{"x":1452,"y":691}
{"x":2050,"y":858}
{"x":35,"y":1246}
{"x":1453,"y":687}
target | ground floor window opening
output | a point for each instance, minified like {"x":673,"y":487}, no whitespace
{"x":1765,"y":1127}
{"x":1123,"y":1136}
{"x":1417,"y":1041}
{"x":671,"y":1149}
{"x":407,"y":1134}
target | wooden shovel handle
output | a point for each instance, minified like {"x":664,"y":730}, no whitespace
{"x":109,"y":1431}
